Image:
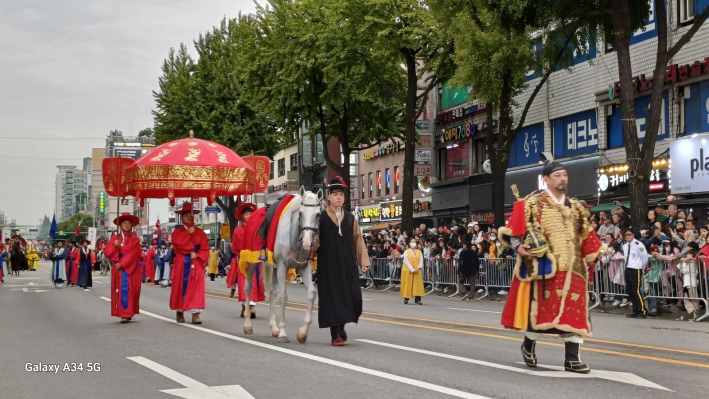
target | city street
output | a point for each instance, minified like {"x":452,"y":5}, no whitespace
{"x":445,"y":348}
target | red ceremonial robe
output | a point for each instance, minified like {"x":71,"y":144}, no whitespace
{"x":188,"y":274}
{"x":72,"y":266}
{"x":125,"y":282}
{"x":257,"y":291}
{"x":149,"y":262}
{"x":236,"y":241}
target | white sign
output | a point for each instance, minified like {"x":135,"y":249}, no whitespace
{"x":422,"y":156}
{"x":92,"y":236}
{"x":89,"y":167}
{"x":424,"y":126}
{"x":690,"y":165}
{"x":580,"y":134}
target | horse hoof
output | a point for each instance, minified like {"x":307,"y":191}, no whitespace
{"x":283,"y":340}
{"x":302,"y":337}
{"x":275,"y":333}
{"x":248,"y":330}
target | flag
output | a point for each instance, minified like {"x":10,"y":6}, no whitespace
{"x":78,"y":228}
{"x":53,"y":229}
{"x":159,"y":232}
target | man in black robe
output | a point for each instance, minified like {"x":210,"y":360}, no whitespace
{"x":341,"y":253}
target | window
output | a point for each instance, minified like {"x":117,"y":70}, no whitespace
{"x":686,"y":11}
{"x":379,"y":183}
{"x":307,"y":151}
{"x":270,"y":176}
{"x":387,"y":178}
{"x":281,"y":167}
{"x":457,"y":160}
{"x":480,"y":155}
{"x":371,"y":184}
{"x":364,"y":184}
{"x":294,"y":162}
{"x":396,"y":180}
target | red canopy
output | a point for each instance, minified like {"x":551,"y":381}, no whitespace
{"x":194,"y":168}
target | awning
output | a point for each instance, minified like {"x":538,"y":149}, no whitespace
{"x":377,"y":227}
{"x":690,"y":201}
{"x":611,"y":206}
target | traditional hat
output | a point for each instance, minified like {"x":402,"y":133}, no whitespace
{"x":155,"y":240}
{"x":2,"y":246}
{"x":244,"y":208}
{"x":337,"y":184}
{"x":551,"y":168}
{"x":126,"y":216}
{"x":83,"y":240}
{"x":187,"y":208}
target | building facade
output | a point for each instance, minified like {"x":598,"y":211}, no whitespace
{"x":71,"y":192}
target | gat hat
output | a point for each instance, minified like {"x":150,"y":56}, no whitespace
{"x":83,"y":240}
{"x":246,"y":207}
{"x":337,"y":184}
{"x":155,"y":240}
{"x":187,"y":208}
{"x":126,"y":216}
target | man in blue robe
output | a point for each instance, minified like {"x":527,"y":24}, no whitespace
{"x":57,"y":256}
{"x":162,"y":265}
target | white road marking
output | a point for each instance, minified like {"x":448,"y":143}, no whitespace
{"x":193,"y":388}
{"x":474,"y":310}
{"x":364,"y":370}
{"x":27,"y":290}
{"x":26,"y":278}
{"x":627,"y":378}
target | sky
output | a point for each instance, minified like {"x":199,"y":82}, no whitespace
{"x":73,"y":70}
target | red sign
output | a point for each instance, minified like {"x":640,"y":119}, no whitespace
{"x":422,"y":170}
{"x":458,"y":160}
{"x":673,"y":74}
{"x":657,"y":186}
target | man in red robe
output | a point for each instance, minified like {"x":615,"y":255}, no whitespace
{"x":150,"y":262}
{"x":243,"y":213}
{"x":191,"y":248}
{"x":124,"y":251}
{"x":72,"y":264}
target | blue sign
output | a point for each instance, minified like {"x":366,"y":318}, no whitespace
{"x":649,"y":28}
{"x":527,"y":146}
{"x":642,"y":118}
{"x":696,"y":109}
{"x":212,"y":209}
{"x":576,"y":135}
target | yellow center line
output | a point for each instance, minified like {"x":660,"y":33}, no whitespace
{"x":653,"y":358}
{"x":505,"y":329}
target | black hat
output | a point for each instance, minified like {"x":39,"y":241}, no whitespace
{"x":337,"y":184}
{"x":606,"y":217}
{"x":552,"y":167}
{"x":653,"y":227}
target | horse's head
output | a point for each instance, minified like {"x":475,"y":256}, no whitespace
{"x":310,"y":209}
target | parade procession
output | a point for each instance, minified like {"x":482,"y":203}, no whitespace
{"x":354,"y":198}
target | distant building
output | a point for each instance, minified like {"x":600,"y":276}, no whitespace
{"x":71,"y":190}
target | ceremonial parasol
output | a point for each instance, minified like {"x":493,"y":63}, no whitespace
{"x":195,"y":168}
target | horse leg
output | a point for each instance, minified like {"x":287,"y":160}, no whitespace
{"x":305,"y":276}
{"x":248,"y":329}
{"x":283,"y":299}
{"x":272,"y":294}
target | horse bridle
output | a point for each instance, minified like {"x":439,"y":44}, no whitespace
{"x":305,"y":228}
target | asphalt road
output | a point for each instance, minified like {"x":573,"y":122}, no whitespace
{"x":445,"y":348}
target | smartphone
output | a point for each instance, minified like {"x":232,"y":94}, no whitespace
{"x":693,"y":232}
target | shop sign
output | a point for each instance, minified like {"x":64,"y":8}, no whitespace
{"x":482,"y":217}
{"x":370,"y":213}
{"x":612,"y":177}
{"x":576,"y":134}
{"x":583,"y":179}
{"x":422,"y":206}
{"x":225,"y":231}
{"x":673,"y":74}
{"x":423,"y":156}
{"x":454,"y":114}
{"x":392,"y":148}
{"x":426,"y":140}
{"x":424,"y":126}
{"x":690,"y":165}
{"x":422,"y":170}
{"x":390,"y":210}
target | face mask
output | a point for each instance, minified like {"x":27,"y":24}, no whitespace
{"x":493,"y":238}
{"x":413,"y":245}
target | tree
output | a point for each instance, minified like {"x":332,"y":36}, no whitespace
{"x":616,"y":20}
{"x":305,"y":68}
{"x":115,"y":134}
{"x":207,"y":96}
{"x":493,"y":60}
{"x":69,"y":226}
{"x":147,"y":132}
{"x":408,"y":53}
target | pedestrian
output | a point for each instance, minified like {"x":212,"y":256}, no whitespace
{"x":339,"y":247}
{"x":468,"y":269}
{"x":124,"y":251}
{"x":72,"y":269}
{"x":213,"y":263}
{"x":191,"y":252}
{"x":542,"y":296}
{"x":85,"y":263}
{"x":58,"y":256}
{"x":3,"y":263}
{"x":636,"y":259}
{"x":412,"y":275}
{"x":607,"y":227}
{"x":150,"y":261}
{"x":162,"y":265}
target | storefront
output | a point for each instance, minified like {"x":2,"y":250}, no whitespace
{"x":689,"y":172}
{"x":449,"y":200}
{"x":367,"y":216}
{"x":613,"y":181}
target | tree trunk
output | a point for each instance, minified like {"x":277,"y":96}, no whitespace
{"x":229,"y":208}
{"x":346,"y":151}
{"x":407,"y":198}
{"x":637,"y":180}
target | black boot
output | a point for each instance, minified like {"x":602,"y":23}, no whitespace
{"x":528,"y":354}
{"x":573,"y":359}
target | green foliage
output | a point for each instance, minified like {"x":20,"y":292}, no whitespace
{"x":147,"y":132}
{"x":207,"y":96}
{"x":69,"y":226}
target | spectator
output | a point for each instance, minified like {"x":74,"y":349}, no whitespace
{"x":594,"y":224}
{"x":681,"y":214}
{"x":616,"y":219}
{"x":412,"y":274}
{"x":690,"y":278}
{"x":671,"y":217}
{"x":651,"y":219}
{"x":601,"y":216}
{"x":660,"y":214}
{"x":655,"y":232}
{"x":652,"y":274}
{"x":468,"y":269}
{"x":669,"y":253}
{"x":608,"y":239}
{"x":702,"y":239}
{"x":608,"y":227}
{"x":613,"y":262}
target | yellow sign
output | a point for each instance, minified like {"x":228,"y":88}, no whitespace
{"x":225,"y":231}
{"x":370,"y":213}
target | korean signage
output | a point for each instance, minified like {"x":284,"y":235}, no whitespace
{"x":457,"y":160}
{"x":642,"y":118}
{"x":690,"y":165}
{"x":613,"y":180}
{"x":128,"y":153}
{"x":225,"y":231}
{"x":102,"y":202}
{"x":527,"y":146}
{"x":582,"y":179}
{"x":390,"y":210}
{"x":576,"y":135}
{"x":452,"y":115}
{"x":426,"y":140}
{"x":422,"y":156}
{"x":422,"y":170}
{"x":389,"y":149}
{"x":422,"y":206}
{"x":424,"y":126}
{"x":673,"y":74}
{"x":483,"y":217}
{"x":370,"y":212}
{"x":89,"y":167}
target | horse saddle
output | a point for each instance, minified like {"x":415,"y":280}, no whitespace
{"x":272,"y":203}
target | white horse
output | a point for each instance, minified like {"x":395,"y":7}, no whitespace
{"x":296,"y":234}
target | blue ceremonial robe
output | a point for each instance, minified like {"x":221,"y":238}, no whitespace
{"x":86,"y":259}
{"x":162,"y":265}
{"x":58,"y":275}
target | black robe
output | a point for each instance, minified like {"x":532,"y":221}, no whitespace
{"x":85,"y":266}
{"x":339,"y":294}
